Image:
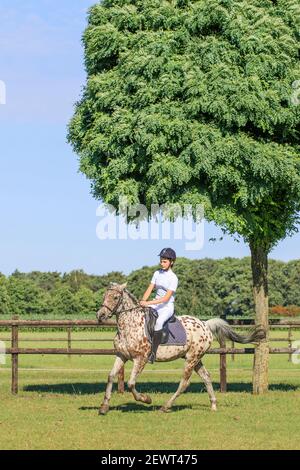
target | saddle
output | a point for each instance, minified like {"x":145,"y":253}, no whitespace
{"x":150,"y":320}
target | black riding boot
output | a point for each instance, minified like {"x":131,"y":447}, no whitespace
{"x":157,"y":337}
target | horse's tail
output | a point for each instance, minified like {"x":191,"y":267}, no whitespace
{"x":222,"y":330}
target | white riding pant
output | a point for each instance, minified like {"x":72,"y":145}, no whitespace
{"x":165,"y":311}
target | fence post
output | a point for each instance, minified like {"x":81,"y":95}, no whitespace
{"x":14,"y":357}
{"x":232,"y":355}
{"x":69,"y":340}
{"x":121,"y":375}
{"x":223,"y":378}
{"x":290,"y":342}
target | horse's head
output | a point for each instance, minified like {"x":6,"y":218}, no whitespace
{"x":112,"y":300}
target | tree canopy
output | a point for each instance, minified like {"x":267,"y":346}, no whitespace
{"x":190,"y":102}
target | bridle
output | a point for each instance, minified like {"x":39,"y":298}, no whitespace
{"x":114,"y":310}
{"x":116,"y":306}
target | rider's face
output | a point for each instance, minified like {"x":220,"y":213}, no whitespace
{"x":165,"y":263}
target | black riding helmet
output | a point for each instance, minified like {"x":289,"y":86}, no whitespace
{"x":168,"y":253}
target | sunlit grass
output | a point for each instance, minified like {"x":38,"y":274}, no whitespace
{"x":57,"y":407}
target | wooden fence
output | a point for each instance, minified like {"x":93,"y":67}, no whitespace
{"x":15,"y":350}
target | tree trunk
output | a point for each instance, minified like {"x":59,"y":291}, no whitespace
{"x":259,"y":264}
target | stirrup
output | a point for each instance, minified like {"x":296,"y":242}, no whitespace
{"x":151,"y":358}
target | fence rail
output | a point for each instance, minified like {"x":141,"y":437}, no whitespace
{"x":15,"y":324}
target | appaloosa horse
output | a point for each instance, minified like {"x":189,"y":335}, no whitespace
{"x":131,"y":343}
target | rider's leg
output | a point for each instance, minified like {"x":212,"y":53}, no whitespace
{"x":164,"y":313}
{"x":157,"y":337}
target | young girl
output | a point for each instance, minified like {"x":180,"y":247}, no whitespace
{"x":165,"y":283}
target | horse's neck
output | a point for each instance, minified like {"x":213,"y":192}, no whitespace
{"x":129,"y":305}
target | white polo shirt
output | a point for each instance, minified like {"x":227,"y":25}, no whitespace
{"x":164,"y":281}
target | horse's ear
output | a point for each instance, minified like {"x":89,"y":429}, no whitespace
{"x":123,"y":286}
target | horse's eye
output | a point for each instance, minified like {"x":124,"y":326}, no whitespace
{"x":115,"y":297}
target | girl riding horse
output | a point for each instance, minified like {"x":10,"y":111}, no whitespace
{"x":165,"y":283}
{"x":131,"y":343}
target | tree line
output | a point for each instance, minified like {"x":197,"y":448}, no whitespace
{"x":207,"y":287}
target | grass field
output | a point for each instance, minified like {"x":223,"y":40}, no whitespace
{"x":59,"y":399}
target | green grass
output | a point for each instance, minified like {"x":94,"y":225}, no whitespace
{"x":59,"y":398}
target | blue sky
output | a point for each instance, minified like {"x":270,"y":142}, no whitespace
{"x":48,"y":216}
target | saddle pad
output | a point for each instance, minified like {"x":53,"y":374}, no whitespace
{"x":177,"y":335}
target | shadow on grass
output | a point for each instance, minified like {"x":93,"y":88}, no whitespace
{"x":147,"y":387}
{"x":136,"y":408}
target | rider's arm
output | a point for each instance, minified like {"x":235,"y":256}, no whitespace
{"x":163,"y":299}
{"x":148,"y":291}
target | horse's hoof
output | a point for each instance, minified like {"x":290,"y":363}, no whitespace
{"x":146,"y":399}
{"x":213,"y":407}
{"x":164,"y":409}
{"x":103,"y":410}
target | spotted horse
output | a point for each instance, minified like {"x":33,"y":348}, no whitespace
{"x":131,"y":343}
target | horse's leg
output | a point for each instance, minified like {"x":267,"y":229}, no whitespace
{"x":184,"y":383}
{"x":138,"y":366}
{"x":119,"y":363}
{"x":205,"y":376}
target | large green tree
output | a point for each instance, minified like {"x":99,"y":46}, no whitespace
{"x":194,"y":102}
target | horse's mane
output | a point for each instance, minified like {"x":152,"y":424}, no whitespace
{"x":130,"y":295}
{"x":133,"y":297}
